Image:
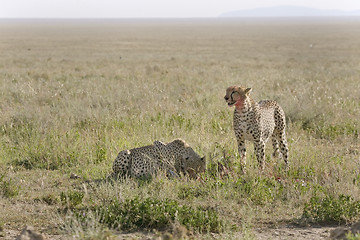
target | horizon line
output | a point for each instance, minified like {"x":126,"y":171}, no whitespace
{"x":175,"y":18}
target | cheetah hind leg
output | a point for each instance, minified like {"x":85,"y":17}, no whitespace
{"x":282,"y":147}
{"x":121,"y":164}
{"x":275,"y":144}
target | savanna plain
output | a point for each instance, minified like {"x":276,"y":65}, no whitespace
{"x":73,"y":93}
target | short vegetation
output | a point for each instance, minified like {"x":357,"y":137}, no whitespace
{"x":73,"y":95}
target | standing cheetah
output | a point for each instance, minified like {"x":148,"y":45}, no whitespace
{"x":257,"y":122}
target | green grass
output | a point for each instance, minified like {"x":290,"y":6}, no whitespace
{"x":137,"y":214}
{"x":71,"y":198}
{"x":69,"y":106}
{"x":330,"y":209}
{"x":8,"y":188}
{"x":352,"y":236}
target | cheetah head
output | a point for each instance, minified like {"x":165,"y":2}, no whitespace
{"x":235,"y":95}
{"x":190,"y":162}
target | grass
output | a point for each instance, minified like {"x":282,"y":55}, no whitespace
{"x":7,"y":187}
{"x":331,"y":209}
{"x":73,"y":94}
{"x":138,"y":214}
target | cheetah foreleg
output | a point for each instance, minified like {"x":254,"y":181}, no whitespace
{"x":259,"y":147}
{"x":242,"y":152}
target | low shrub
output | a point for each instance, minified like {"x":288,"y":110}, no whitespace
{"x":260,"y":190}
{"x":50,"y":199}
{"x":149,"y":213}
{"x":190,"y":192}
{"x":71,"y":198}
{"x":7,"y":187}
{"x":330,"y":209}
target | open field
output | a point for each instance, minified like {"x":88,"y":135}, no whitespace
{"x":75,"y":93}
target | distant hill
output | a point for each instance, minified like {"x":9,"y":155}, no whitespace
{"x":288,"y":11}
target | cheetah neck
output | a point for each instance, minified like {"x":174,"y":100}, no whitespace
{"x":245,"y":106}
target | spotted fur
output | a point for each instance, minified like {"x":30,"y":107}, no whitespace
{"x":257,"y":122}
{"x":176,"y":157}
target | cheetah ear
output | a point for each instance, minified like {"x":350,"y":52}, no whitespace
{"x":247,"y":91}
{"x":159,"y":144}
{"x":180,"y":142}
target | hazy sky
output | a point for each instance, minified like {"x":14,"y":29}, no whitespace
{"x":149,"y":8}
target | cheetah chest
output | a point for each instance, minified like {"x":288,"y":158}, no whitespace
{"x":246,"y":127}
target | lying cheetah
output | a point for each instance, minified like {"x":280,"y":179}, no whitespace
{"x":257,"y":122}
{"x":176,"y":157}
